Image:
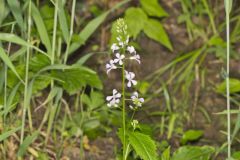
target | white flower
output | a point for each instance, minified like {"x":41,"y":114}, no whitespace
{"x":114,"y":47}
{"x":110,"y":66}
{"x":136,"y":100}
{"x":130,"y":77}
{"x":131,"y":50}
{"x":119,"y":59}
{"x":136,"y":57}
{"x":114,"y":99}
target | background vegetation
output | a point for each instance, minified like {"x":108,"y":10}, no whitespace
{"x":53,"y":80}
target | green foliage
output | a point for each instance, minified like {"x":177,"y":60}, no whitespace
{"x":154,"y":30}
{"x":193,"y":153}
{"x":135,"y":19}
{"x":153,"y":8}
{"x":28,"y":140}
{"x":6,"y":134}
{"x":144,"y":146}
{"x":191,"y":135}
{"x":234,"y":86}
{"x":42,"y":30}
{"x":74,"y":79}
{"x":94,"y":101}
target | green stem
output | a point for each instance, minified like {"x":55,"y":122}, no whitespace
{"x":210,"y":15}
{"x":25,"y":101}
{"x":51,"y":115}
{"x":228,"y":88}
{"x":71,"y":31}
{"x":123,"y":111}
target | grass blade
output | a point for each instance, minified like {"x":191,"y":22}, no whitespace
{"x":42,"y":30}
{"x":27,"y":141}
{"x":17,"y":40}
{"x":8,"y":133}
{"x":17,"y":12}
{"x":63,"y":21}
{"x":8,"y":62}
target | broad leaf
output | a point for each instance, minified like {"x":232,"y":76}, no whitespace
{"x":153,"y":8}
{"x":154,"y":30}
{"x":144,"y":146}
{"x":191,"y":135}
{"x":135,"y":19}
{"x":76,"y":78}
{"x":193,"y":153}
{"x":234,"y":86}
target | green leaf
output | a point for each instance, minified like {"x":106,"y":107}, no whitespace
{"x":91,"y":27}
{"x":236,"y":155}
{"x":42,"y":30}
{"x":17,"y":12}
{"x":27,"y":141}
{"x":166,"y":154}
{"x":153,"y":8}
{"x":191,"y":135}
{"x":154,"y":30}
{"x":95,"y":100}
{"x":193,"y":153}
{"x":144,"y":146}
{"x":76,"y":78}
{"x":8,"y":62}
{"x":5,"y":135}
{"x":63,"y":20}
{"x":4,"y":11}
{"x":234,"y":86}
{"x":135,"y":19}
{"x":38,"y":62}
{"x":17,"y":40}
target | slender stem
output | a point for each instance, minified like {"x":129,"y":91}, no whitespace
{"x":123,"y":111}
{"x":210,"y":15}
{"x":25,"y":103}
{"x":71,"y":31}
{"x":228,"y":88}
{"x":51,"y":115}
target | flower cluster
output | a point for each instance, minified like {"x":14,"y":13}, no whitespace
{"x":123,"y":52}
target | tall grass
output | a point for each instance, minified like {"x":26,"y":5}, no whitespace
{"x":228,"y":6}
{"x":25,"y":101}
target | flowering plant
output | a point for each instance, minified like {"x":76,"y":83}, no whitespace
{"x":125,"y":53}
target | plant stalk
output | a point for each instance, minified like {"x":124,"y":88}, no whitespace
{"x":123,"y":111}
{"x":228,"y":87}
{"x":25,"y":101}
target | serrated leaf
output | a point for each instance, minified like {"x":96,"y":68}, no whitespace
{"x":153,"y":8}
{"x":76,"y":78}
{"x":144,"y":146}
{"x":154,"y":30}
{"x":135,"y":19}
{"x":193,"y":153}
